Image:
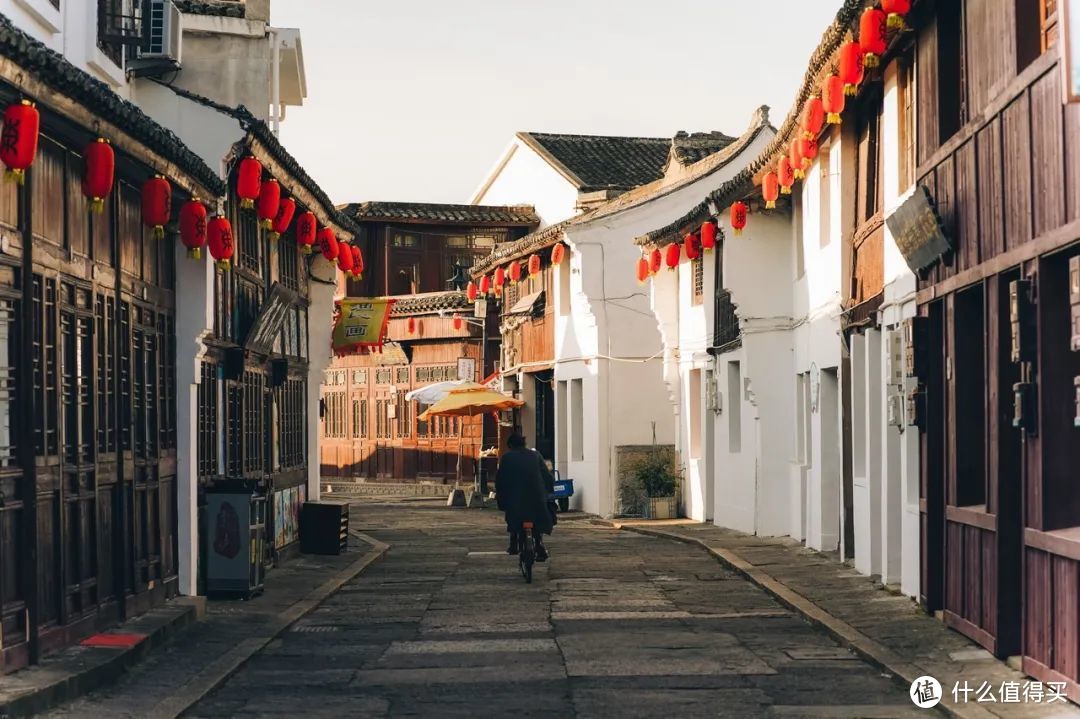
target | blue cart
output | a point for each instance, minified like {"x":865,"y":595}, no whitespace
{"x":564,"y":489}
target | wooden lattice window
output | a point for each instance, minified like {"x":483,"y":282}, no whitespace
{"x":1048,"y":22}
{"x":10,"y":319}
{"x":248,"y":240}
{"x":207,"y":421}
{"x":382,"y":376}
{"x":45,"y":366}
{"x":404,"y":416}
{"x":288,"y":263}
{"x":291,"y":421}
{"x":382,"y":418}
{"x":698,"y":268}
{"x":402,"y":375}
{"x":356,"y":419}
{"x":76,"y":383}
{"x":359,"y":376}
{"x":106,"y":372}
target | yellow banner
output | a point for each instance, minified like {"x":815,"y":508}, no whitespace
{"x":360,"y":323}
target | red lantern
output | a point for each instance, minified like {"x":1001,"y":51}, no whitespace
{"x":328,"y":244}
{"x":269,"y":203}
{"x":795,"y":159}
{"x":832,"y":97}
{"x":500,"y":279}
{"x":738,"y":216}
{"x":896,"y":10}
{"x":515,"y":270}
{"x":193,"y":227}
{"x":813,"y":117}
{"x":708,"y":235}
{"x":19,"y":139}
{"x":156,"y":205}
{"x":785,"y":173}
{"x":851,"y":67}
{"x":655,"y":259}
{"x":345,"y":258}
{"x":458,"y":321}
{"x":99,"y":168}
{"x":672,"y":255}
{"x":770,"y":189}
{"x":357,"y":262}
{"x":642,"y":270}
{"x":470,"y":291}
{"x":219,"y":238}
{"x":305,"y":231}
{"x":534,"y":264}
{"x":693,"y":246}
{"x":412,"y":325}
{"x":557,"y":253}
{"x":284,"y":216}
{"x":873,"y":35}
{"x":249,"y":182}
{"x":808,"y":148}
{"x":485,"y":284}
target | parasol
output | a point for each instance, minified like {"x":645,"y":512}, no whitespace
{"x":432,"y":393}
{"x":469,"y":402}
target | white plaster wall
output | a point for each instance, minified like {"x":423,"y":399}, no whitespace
{"x":522,"y":177}
{"x":39,"y":19}
{"x":208,"y":133}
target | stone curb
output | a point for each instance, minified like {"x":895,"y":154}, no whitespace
{"x":217,"y":672}
{"x":877,"y":654}
{"x":101,"y":666}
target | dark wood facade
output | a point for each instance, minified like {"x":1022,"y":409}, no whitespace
{"x":1000,"y":506}
{"x":88,"y":500}
{"x":252,"y":405}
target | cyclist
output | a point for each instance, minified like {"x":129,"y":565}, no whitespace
{"x":522,"y":486}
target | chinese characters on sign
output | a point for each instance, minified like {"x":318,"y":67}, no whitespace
{"x":360,"y":323}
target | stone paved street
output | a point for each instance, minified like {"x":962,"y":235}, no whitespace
{"x":616,"y":624}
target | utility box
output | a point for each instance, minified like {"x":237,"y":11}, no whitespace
{"x":324,"y":528}
{"x":235,"y":530}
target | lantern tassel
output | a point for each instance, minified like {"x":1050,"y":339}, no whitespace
{"x":157,"y":232}
{"x":306,"y":250}
{"x":799,"y":174}
{"x":194,"y":253}
{"x":896,"y":22}
{"x":266,"y":224}
{"x":851,"y":90}
{"x":871,"y":60}
{"x":785,"y":189}
{"x":97,"y":205}
{"x":770,"y":204}
{"x":223,"y":264}
{"x":273,"y":236}
{"x":247,"y":204}
{"x":16,"y":176}
{"x":834,"y":118}
{"x":738,"y":231}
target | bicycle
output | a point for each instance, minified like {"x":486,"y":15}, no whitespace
{"x":526,"y":551}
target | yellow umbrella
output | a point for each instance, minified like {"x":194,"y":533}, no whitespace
{"x":469,"y":402}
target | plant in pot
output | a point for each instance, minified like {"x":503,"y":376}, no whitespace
{"x":652,"y":486}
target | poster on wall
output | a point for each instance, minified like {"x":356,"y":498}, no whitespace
{"x":1069,"y":34}
{"x":279,"y":519}
{"x":287,"y":504}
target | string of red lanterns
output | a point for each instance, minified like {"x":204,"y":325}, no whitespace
{"x":22,"y":124}
{"x":873,"y":35}
{"x":156,"y":205}
{"x":248,"y":182}
{"x":266,"y":207}
{"x":219,"y":239}
{"x":193,"y":227}
{"x":708,"y":235}
{"x":284,"y":216}
{"x":99,"y":169}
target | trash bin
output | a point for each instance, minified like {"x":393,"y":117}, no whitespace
{"x":324,"y":528}
{"x":235,"y":528}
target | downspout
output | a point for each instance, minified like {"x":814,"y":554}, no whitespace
{"x":275,"y":82}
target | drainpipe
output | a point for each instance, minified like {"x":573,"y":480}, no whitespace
{"x":275,"y":82}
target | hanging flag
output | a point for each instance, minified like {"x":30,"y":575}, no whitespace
{"x":360,"y":324}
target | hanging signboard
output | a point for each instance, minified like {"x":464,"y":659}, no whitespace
{"x":466,"y":369}
{"x":360,"y":324}
{"x":917,"y":230}
{"x":271,"y":318}
{"x":1069,"y":37}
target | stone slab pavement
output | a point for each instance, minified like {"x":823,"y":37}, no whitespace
{"x":885,"y":628}
{"x":616,"y":624}
{"x":192,"y":664}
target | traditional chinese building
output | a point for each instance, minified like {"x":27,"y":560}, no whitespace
{"x":418,"y":254}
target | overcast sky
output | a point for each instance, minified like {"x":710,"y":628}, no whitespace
{"x":415,"y":100}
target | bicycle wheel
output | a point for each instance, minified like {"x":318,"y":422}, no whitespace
{"x":528,"y":556}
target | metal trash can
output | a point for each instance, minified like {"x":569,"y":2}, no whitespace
{"x":324,"y":528}
{"x":235,"y":527}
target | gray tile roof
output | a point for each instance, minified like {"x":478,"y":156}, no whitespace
{"x":694,"y":146}
{"x":223,"y":8}
{"x":430,"y":303}
{"x":597,"y":162}
{"x":443,"y":213}
{"x":507,"y":251}
{"x":60,"y":76}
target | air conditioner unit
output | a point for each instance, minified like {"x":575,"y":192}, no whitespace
{"x":164,"y":30}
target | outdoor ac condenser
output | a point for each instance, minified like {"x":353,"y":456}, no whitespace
{"x":164,"y":31}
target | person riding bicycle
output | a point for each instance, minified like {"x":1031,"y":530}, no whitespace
{"x":522,"y":486}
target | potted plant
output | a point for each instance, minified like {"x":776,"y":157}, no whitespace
{"x":653,"y":484}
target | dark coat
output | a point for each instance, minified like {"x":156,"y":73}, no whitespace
{"x":522,"y":486}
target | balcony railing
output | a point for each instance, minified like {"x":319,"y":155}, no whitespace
{"x":726,"y":330}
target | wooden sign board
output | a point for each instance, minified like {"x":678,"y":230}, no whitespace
{"x":917,"y":230}
{"x":271,"y":318}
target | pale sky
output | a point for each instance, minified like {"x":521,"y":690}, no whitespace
{"x":415,"y":100}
